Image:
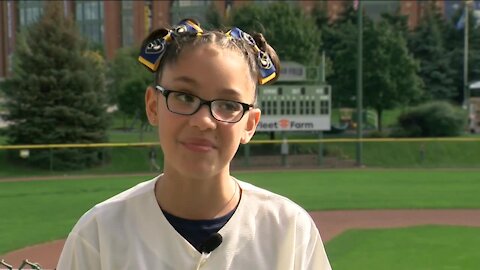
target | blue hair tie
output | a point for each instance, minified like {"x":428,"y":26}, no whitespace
{"x":264,"y":62}
{"x":151,"y":53}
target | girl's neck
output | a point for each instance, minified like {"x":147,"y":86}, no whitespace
{"x":196,"y":198}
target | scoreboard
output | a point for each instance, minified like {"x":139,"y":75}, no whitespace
{"x":294,"y":107}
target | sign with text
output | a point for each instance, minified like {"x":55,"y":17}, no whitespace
{"x":293,"y":123}
{"x":294,"y":107}
{"x":293,"y":72}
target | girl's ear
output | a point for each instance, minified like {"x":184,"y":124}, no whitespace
{"x":151,"y":105}
{"x":252,"y":122}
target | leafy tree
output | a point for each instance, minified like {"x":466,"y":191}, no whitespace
{"x":124,"y":67}
{"x":320,"y":15}
{"x":322,"y":21}
{"x":398,"y":21}
{"x":292,"y":33}
{"x":427,"y":45}
{"x":474,"y":54}
{"x":340,"y":42}
{"x":454,"y":42}
{"x":56,"y":94}
{"x":348,"y":14}
{"x":389,"y":72}
{"x":343,"y":42}
{"x":127,"y":83}
{"x":390,"y":77}
{"x":131,"y":100}
{"x":213,"y":18}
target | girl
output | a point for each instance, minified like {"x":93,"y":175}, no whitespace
{"x":196,"y":215}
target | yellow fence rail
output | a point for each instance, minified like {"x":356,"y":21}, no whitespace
{"x":76,"y":145}
{"x":446,"y":152}
{"x":294,"y":141}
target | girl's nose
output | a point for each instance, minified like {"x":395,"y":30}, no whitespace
{"x":203,"y":119}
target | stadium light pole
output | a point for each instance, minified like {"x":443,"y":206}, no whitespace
{"x":359,"y":146}
{"x":466,"y":89}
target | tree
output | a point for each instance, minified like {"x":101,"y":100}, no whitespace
{"x":339,"y":40}
{"x":398,"y":21}
{"x":455,"y":44}
{"x":320,"y":15}
{"x":56,"y":94}
{"x":292,"y":33}
{"x":131,"y":100}
{"x":427,"y":45}
{"x":343,"y":44}
{"x":322,"y":21}
{"x":389,"y":71}
{"x":348,"y":14}
{"x":390,"y":77}
{"x":123,"y":68}
{"x":127,"y":83}
{"x":213,"y":18}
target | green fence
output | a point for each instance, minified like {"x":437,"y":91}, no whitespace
{"x":114,"y":158}
{"x":377,"y":153}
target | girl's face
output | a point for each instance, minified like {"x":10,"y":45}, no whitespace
{"x":198,"y":145}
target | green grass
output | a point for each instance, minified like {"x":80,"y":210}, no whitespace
{"x":424,"y":247}
{"x":39,"y":211}
{"x":390,"y":117}
{"x":382,"y":189}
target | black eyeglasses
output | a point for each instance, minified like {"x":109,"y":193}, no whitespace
{"x":187,"y":104}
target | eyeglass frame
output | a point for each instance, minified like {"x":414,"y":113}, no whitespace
{"x":166,"y":92}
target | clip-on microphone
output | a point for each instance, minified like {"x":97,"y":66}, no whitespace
{"x":208,"y":246}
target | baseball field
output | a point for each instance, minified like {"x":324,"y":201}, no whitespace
{"x":42,"y":210}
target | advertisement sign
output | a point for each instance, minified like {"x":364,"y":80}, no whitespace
{"x":295,"y":107}
{"x":293,"y":72}
{"x":293,"y":123}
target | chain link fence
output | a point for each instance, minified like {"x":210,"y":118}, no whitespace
{"x":128,"y":158}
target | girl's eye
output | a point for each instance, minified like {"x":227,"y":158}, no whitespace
{"x":183,"y":97}
{"x":230,"y":106}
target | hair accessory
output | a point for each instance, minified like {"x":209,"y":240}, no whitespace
{"x":265,"y":64}
{"x":151,"y":53}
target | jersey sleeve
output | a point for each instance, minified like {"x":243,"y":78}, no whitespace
{"x":310,"y":252}
{"x":78,"y":254}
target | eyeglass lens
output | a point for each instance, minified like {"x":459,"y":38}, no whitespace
{"x":222,"y":110}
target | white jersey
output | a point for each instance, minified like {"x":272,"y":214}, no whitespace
{"x":129,"y":231}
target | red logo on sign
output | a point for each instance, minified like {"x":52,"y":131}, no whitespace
{"x":284,"y":123}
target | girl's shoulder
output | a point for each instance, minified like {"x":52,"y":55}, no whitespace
{"x":109,"y":210}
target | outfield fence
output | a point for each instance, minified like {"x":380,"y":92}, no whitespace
{"x":120,"y":158}
{"x":377,"y":152}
